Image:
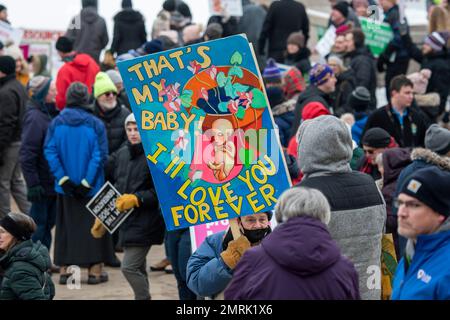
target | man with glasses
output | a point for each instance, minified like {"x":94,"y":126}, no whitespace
{"x":110,"y":111}
{"x":210,"y":268}
{"x":374,"y":142}
{"x":113,"y":115}
{"x":423,"y":211}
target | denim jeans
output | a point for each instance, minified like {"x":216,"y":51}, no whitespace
{"x":44,"y":214}
{"x":179,"y":251}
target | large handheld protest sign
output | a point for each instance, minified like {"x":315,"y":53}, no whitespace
{"x":103,"y":207}
{"x":207,"y":131}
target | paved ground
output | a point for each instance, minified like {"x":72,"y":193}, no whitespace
{"x":162,"y":286}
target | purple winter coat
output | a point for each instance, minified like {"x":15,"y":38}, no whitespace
{"x":298,"y":261}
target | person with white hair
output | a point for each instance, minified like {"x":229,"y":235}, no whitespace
{"x":299,"y":260}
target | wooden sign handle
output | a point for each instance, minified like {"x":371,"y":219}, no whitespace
{"x":235,"y":228}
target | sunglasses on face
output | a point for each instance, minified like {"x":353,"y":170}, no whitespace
{"x":108,"y":94}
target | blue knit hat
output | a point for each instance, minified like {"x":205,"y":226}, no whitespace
{"x":271,"y":73}
{"x":153,"y":46}
{"x":430,"y":186}
{"x":320,"y":74}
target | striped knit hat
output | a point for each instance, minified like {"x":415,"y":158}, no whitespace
{"x":320,"y":74}
{"x":271,"y":73}
{"x":437,"y":40}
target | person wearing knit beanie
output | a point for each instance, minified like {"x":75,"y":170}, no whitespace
{"x":77,"y":95}
{"x":359,"y":100}
{"x":436,"y":42}
{"x":213,"y":31}
{"x":39,"y":87}
{"x":103,"y":84}
{"x":423,"y":210}
{"x":296,"y":38}
{"x":437,"y":139}
{"x":115,"y":77}
{"x":374,"y":142}
{"x":7,"y":65}
{"x":153,"y":46}
{"x":339,"y":13}
{"x":272,"y":74}
{"x":320,"y":74}
{"x":64,"y":45}
{"x":376,"y":138}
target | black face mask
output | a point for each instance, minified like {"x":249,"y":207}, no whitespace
{"x":255,"y":236}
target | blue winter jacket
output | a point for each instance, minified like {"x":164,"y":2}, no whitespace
{"x":358,"y":127}
{"x":207,"y":275}
{"x":428,"y":276}
{"x":76,"y":146}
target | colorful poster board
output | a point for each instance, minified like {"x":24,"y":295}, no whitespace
{"x":378,"y":35}
{"x":207,"y":130}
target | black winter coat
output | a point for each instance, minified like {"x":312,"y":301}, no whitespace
{"x":311,"y":94}
{"x":411,"y":134}
{"x":127,"y":169}
{"x":13,"y":98}
{"x":363,"y":64}
{"x":32,"y":160}
{"x":129,"y":31}
{"x":283,"y":18}
{"x":438,"y":63}
{"x":114,"y":122}
{"x":300,"y":60}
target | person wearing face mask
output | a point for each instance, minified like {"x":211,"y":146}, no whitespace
{"x":110,"y":111}
{"x":299,"y":260}
{"x":210,"y":268}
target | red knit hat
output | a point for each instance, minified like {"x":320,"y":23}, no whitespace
{"x":313,"y":110}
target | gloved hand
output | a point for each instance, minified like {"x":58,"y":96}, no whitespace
{"x":67,"y":185}
{"x":35,"y":193}
{"x":235,"y":251}
{"x":98,"y":230}
{"x":127,"y":202}
{"x":83,"y":189}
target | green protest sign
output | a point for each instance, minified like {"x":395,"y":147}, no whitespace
{"x":378,"y":35}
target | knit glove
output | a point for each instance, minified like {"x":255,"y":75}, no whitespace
{"x":98,"y":230}
{"x":67,"y":185}
{"x":83,"y":189}
{"x":235,"y":251}
{"x":127,"y":202}
{"x":35,"y":193}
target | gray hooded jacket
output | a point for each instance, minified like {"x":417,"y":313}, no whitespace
{"x":89,"y":33}
{"x":358,"y":211}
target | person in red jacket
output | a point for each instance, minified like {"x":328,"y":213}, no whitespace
{"x":78,"y":67}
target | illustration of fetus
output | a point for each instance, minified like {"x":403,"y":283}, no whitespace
{"x":224,"y":149}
